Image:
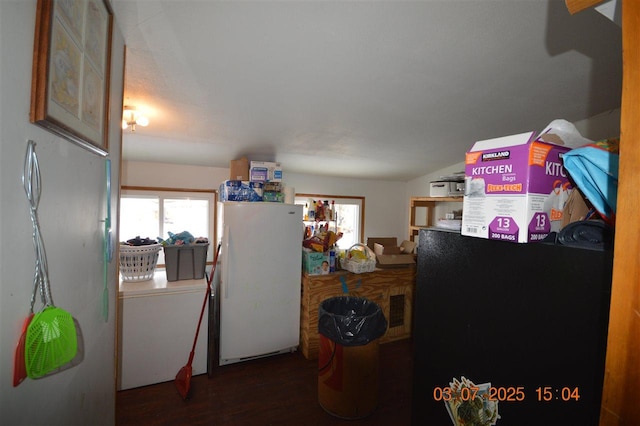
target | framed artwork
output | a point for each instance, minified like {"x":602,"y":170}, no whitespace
{"x":70,"y":76}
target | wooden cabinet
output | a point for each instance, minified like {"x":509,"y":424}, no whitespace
{"x":391,"y":289}
{"x":430,"y":204}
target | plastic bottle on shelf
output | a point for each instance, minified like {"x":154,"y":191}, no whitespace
{"x":333,"y":210}
{"x":319,"y":210}
{"x":332,"y":259}
{"x":312,"y":212}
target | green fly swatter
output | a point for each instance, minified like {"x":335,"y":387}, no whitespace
{"x":51,"y":339}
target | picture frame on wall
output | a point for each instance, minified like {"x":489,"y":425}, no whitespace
{"x":71,"y":71}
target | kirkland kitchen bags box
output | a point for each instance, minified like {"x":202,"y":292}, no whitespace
{"x":515,"y":189}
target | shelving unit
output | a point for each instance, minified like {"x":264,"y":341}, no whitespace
{"x":332,"y":224}
{"x":430,"y":204}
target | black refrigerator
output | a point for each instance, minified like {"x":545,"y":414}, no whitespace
{"x":508,"y":333}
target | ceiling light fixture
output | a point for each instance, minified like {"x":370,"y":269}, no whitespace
{"x":130,"y":117}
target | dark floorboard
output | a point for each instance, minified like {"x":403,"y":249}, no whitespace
{"x":278,"y":390}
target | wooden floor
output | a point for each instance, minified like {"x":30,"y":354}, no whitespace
{"x":279,"y":390}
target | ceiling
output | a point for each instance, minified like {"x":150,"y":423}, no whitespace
{"x":387,"y":90}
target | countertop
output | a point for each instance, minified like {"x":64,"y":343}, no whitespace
{"x":160,"y":285}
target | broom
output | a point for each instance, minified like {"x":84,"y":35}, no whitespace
{"x":183,"y":378}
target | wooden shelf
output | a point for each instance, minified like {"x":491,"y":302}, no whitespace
{"x":430,"y":204}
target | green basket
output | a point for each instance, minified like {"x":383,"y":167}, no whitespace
{"x":51,"y":341}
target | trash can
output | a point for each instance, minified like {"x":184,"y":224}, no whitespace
{"x":348,"y":360}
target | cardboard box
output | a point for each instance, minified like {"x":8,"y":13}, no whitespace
{"x":239,"y":169}
{"x":515,"y":189}
{"x":313,"y":262}
{"x":380,"y":250}
{"x":240,"y":190}
{"x":389,"y":254}
{"x":383,"y":241}
{"x":265,"y":171}
{"x":408,"y":247}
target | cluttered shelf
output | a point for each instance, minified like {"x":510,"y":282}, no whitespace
{"x":429,"y":204}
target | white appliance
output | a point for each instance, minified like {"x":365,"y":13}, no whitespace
{"x":157,"y":322}
{"x":259,"y":281}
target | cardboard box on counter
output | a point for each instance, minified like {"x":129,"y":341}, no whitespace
{"x":239,"y":169}
{"x":389,"y":254}
{"x":240,"y":190}
{"x":312,"y":262}
{"x":515,"y":189}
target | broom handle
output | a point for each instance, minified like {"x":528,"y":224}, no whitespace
{"x":204,"y":303}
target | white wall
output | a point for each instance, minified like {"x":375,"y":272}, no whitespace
{"x":71,"y":207}
{"x":385,"y":202}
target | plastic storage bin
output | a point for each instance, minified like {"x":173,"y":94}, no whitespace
{"x":186,"y":262}
{"x":348,"y":361}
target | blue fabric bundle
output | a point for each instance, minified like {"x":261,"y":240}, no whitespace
{"x":594,"y":169}
{"x":183,"y":237}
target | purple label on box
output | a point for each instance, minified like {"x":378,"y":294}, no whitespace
{"x":503,"y":228}
{"x":547,"y":171}
{"x":520,"y":169}
{"x":539,"y":227}
{"x":501,"y":171}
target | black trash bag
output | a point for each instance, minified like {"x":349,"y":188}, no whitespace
{"x":351,"y":321}
{"x":592,"y":234}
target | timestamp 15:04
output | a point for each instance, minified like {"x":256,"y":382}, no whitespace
{"x":566,"y":393}
{"x":507,"y":394}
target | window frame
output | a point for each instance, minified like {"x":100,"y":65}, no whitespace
{"x":359,"y":199}
{"x":166,"y":192}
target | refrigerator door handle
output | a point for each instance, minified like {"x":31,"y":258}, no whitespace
{"x":225,"y":260}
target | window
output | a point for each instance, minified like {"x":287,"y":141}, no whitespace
{"x":348,"y":217}
{"x":154,"y":213}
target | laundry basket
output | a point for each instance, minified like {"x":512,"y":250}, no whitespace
{"x":138,"y":263}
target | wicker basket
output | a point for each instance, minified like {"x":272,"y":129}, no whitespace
{"x":359,"y":266}
{"x":138,"y":263}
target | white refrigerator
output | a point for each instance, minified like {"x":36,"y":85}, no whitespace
{"x":258,"y":291}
